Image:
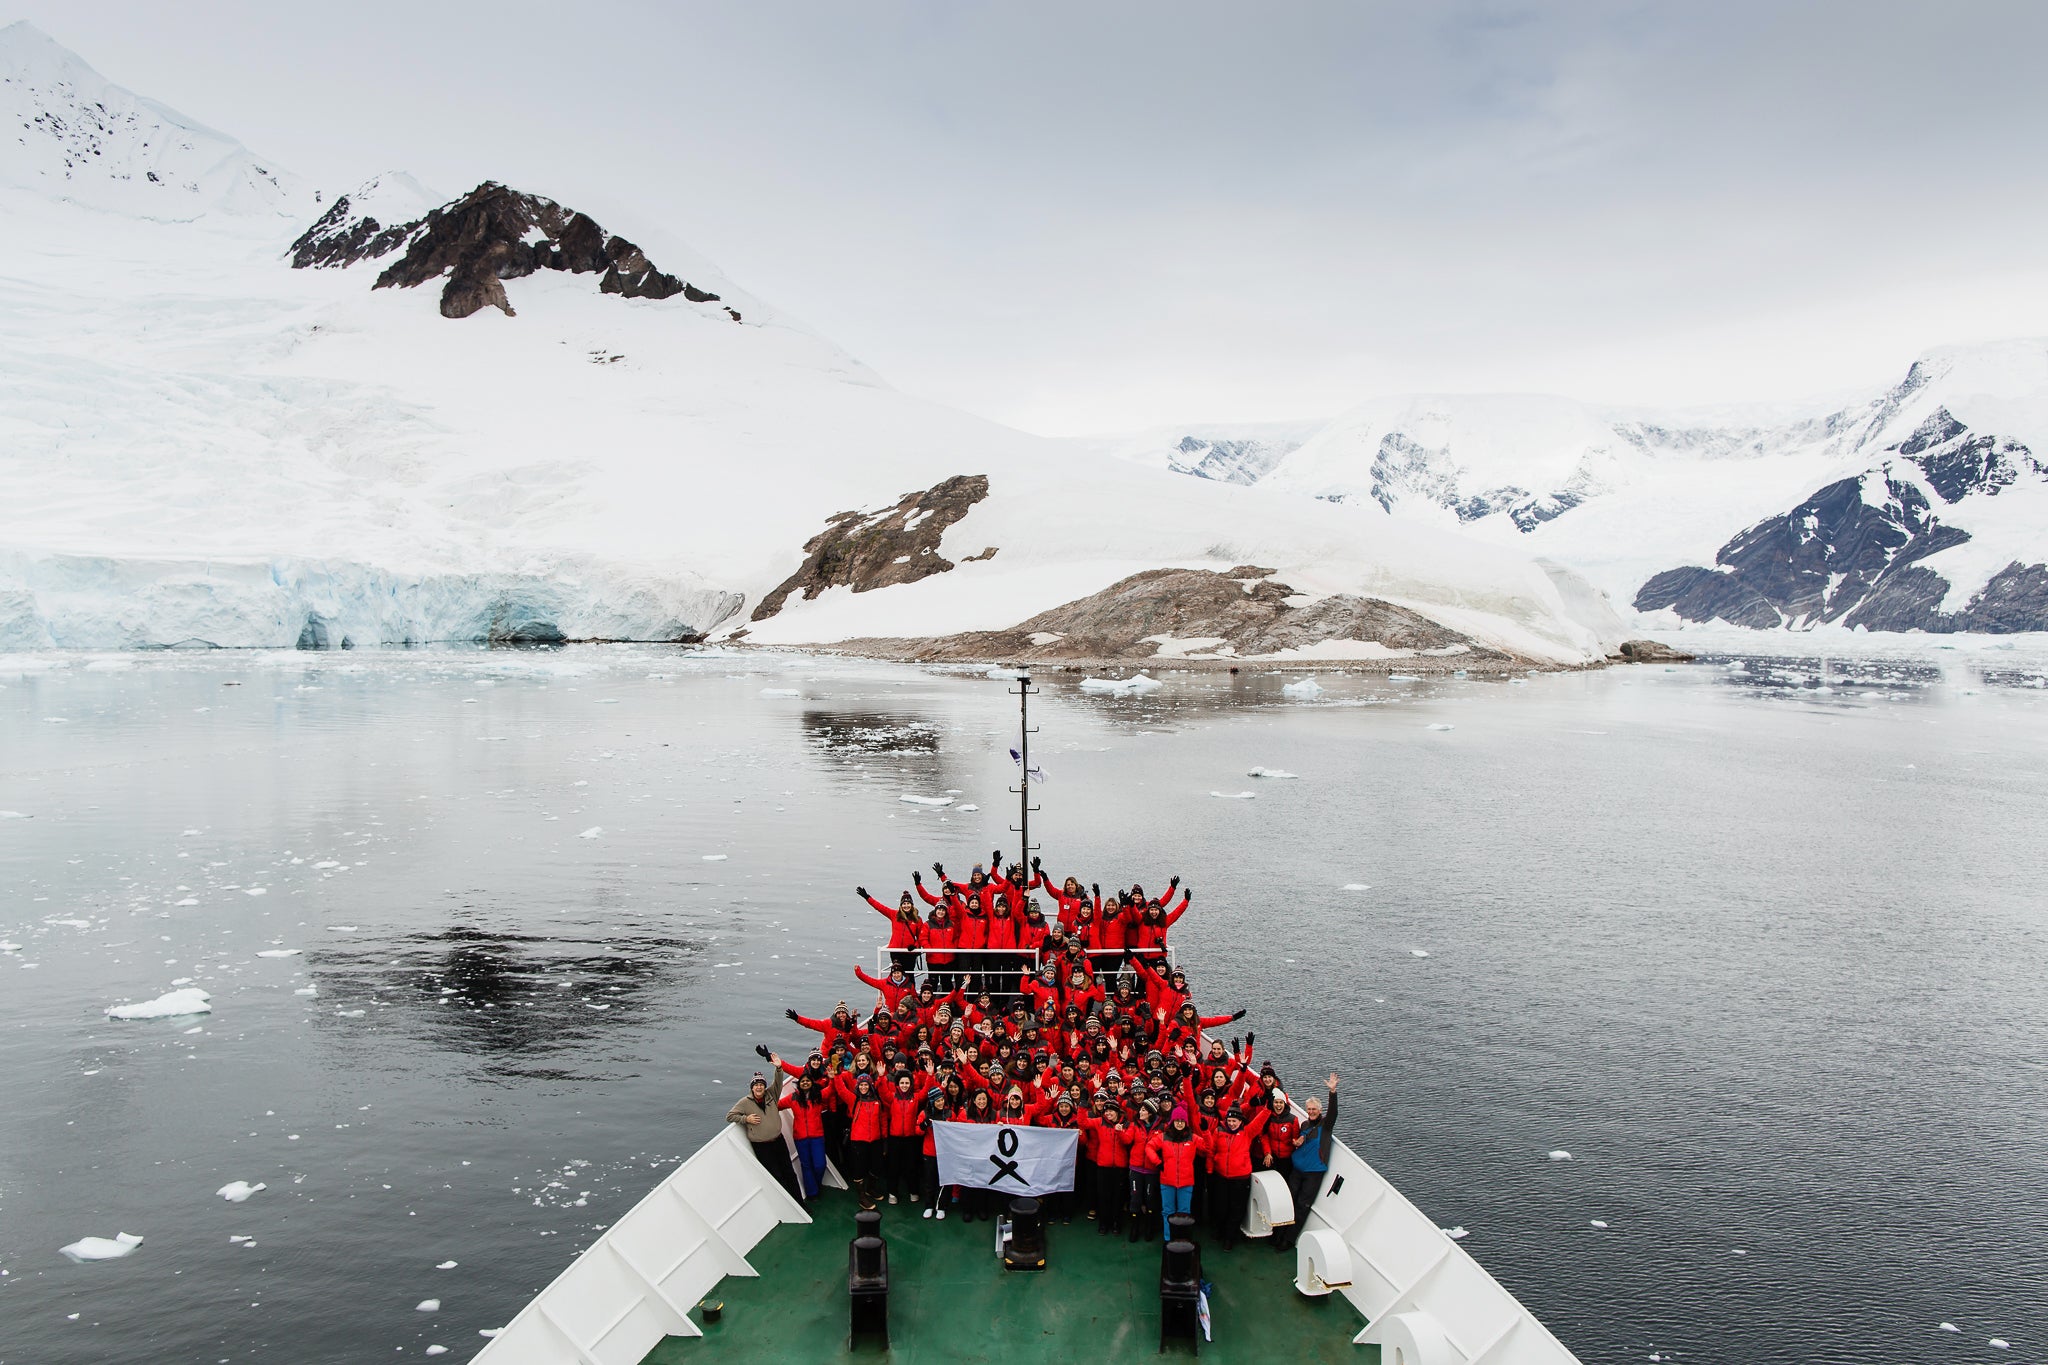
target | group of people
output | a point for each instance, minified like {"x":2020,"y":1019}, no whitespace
{"x":993,"y":1013}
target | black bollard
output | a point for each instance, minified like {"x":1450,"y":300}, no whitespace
{"x":867,"y":1277}
{"x":1180,"y":1294}
{"x":1026,"y":1248}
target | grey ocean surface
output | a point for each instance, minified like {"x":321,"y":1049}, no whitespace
{"x":1770,"y":961}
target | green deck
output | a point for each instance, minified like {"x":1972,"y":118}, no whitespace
{"x":950,"y":1300}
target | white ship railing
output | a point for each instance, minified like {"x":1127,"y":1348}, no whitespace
{"x":636,"y":1283}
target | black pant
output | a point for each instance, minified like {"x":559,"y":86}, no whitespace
{"x":1230,"y":1195}
{"x":1084,"y":1185}
{"x":1112,"y":1191}
{"x":775,"y":1156}
{"x":1144,"y":1205}
{"x":864,"y":1161}
{"x":836,"y":1127}
{"x":1304,"y":1186}
{"x":931,"y":1181}
{"x":903,"y":1160}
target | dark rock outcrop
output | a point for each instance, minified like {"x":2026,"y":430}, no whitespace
{"x":1653,"y":652}
{"x":1246,"y":611}
{"x":868,"y":550}
{"x":488,"y":236}
{"x":1853,"y":551}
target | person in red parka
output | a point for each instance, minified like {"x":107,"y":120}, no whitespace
{"x":867,"y":1134}
{"x":895,"y":987}
{"x":904,"y":927}
{"x":1230,"y":1161}
{"x":905,"y":1142}
{"x":1172,"y":1150}
{"x":1109,"y":1139}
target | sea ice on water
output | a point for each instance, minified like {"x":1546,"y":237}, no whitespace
{"x":780,"y":692}
{"x":1418,"y":952}
{"x":1269,"y":772}
{"x":279,"y":952}
{"x":926,"y":800}
{"x":1437,"y":725}
{"x":12,"y":815}
{"x":1121,"y":686}
{"x":437,"y":1351}
{"x":2000,"y":1342}
{"x":1355,"y":886}
{"x":1950,"y":1327}
{"x":1457,"y":1234}
{"x":445,"y":1265}
{"x":102,"y":1248}
{"x":970,"y":808}
{"x":171,"y":1004}
{"x":1306,"y":690}
{"x":235,"y":1191}
{"x":1560,"y":1155}
{"x":715,"y":857}
{"x":427,"y":1306}
{"x":1598,"y":1224}
{"x":593,"y":832}
{"x":1235,"y":796}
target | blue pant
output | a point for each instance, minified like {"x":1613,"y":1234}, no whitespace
{"x":1173,"y":1199}
{"x":810,"y":1161}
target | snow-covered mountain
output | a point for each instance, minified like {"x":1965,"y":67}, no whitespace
{"x":1737,"y":519}
{"x":264,"y":416}
{"x":1242,"y":453}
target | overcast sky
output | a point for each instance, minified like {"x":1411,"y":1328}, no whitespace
{"x":1107,"y":216}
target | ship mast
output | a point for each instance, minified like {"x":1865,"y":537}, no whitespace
{"x":1022,"y":828}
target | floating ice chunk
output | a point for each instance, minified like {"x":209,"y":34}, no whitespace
{"x":1269,"y":772}
{"x":307,"y":990}
{"x":14,"y":815}
{"x":445,"y":1265}
{"x":436,"y":1351}
{"x":189,"y":900}
{"x":593,"y":832}
{"x":1356,"y":886}
{"x":1235,"y":796}
{"x":427,"y":1306}
{"x":257,"y":891}
{"x":926,"y":800}
{"x":102,"y":1248}
{"x":349,"y":1014}
{"x":1597,"y":1223}
{"x":1437,"y":725}
{"x":715,"y":857}
{"x":341,"y":928}
{"x":1003,"y":674}
{"x":1121,"y":686}
{"x":2000,"y":1342}
{"x":1306,"y":690}
{"x":7,"y":947}
{"x":1402,"y":677}
{"x":1457,"y":1234}
{"x":279,"y":952}
{"x":326,"y":863}
{"x":235,"y":1191}
{"x":780,"y":692}
{"x":1560,"y":1155}
{"x":1418,"y":952}
{"x":171,"y":1004}
{"x":1950,"y":1327}
{"x":970,"y":808}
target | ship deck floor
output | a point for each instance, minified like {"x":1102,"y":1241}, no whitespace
{"x":950,"y":1300}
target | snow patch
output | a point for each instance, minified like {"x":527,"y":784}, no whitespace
{"x":170,"y":1005}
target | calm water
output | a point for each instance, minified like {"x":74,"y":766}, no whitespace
{"x":1771,"y":962}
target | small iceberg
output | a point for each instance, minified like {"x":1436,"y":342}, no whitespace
{"x":1597,"y":1223}
{"x":1308,"y":689}
{"x":1121,"y":686}
{"x":1437,"y":725}
{"x":1235,"y":796}
{"x":170,"y":1005}
{"x":1418,"y":952}
{"x":1560,"y":1155}
{"x":1270,"y":772}
{"x":445,"y":1265}
{"x":1457,"y":1234}
{"x":235,"y":1191}
{"x":279,"y":952}
{"x":102,"y":1248}
{"x":780,"y":692}
{"x":926,"y":800}
{"x":594,"y":832}
{"x":1402,"y":677}
{"x":1355,"y":886}
{"x":427,"y":1306}
{"x":1950,"y":1327}
{"x":970,"y":808}
{"x":715,"y":857}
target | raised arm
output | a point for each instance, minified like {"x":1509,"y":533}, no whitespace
{"x":879,"y":983}
{"x":880,"y":909}
{"x":815,"y":1025}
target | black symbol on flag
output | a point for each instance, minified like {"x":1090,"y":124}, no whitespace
{"x":1006,"y":1143}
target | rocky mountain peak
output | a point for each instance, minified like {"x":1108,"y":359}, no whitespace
{"x":477,"y":242}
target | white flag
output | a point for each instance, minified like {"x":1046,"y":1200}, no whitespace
{"x":1036,"y":773}
{"x":1011,"y":1160}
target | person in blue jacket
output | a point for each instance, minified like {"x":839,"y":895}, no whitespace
{"x":1311,"y":1163}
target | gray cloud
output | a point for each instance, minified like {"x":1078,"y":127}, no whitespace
{"x":1085,"y":216}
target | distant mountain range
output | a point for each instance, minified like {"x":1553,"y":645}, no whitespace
{"x":1921,"y":507}
{"x":241,"y":409}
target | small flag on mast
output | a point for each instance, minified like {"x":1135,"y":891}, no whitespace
{"x":1037,"y":774}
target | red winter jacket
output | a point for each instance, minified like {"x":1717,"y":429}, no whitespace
{"x":1175,"y":1160}
{"x":903,"y":1110}
{"x":892,"y":992}
{"x":939,"y":937}
{"x":1002,"y":931}
{"x":1109,"y":1144}
{"x":1230,"y":1154}
{"x":870,"y":1117}
{"x":903,"y":933}
{"x":806,"y":1120}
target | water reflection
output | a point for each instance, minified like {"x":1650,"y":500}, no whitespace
{"x":871,"y":732}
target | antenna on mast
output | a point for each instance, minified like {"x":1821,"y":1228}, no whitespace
{"x":1025,"y":691}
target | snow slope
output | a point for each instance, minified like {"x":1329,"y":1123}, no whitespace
{"x":202,"y":444}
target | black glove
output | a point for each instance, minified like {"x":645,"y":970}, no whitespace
{"x":1235,"y":1017}
{"x":1236,"y":1045}
{"x":1250,"y":1038}
{"x":917,"y":877}
{"x":1034,"y":862}
{"x":939,"y":868}
{"x":1096,"y":887}
{"x":1175,"y":882}
{"x":995,"y":859}
{"x":762,"y":1048}
{"x":792,"y":1015}
{"x":1188,"y":900}
{"x":861,"y":891}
